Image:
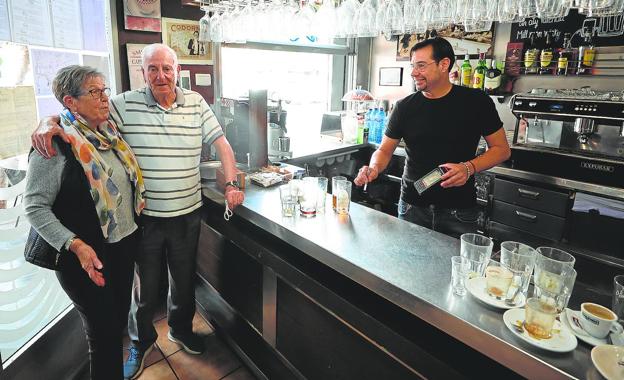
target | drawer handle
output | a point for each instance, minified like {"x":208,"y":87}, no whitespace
{"x":528,"y":194}
{"x":524,"y":215}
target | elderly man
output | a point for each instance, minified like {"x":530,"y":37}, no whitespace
{"x":166,"y":127}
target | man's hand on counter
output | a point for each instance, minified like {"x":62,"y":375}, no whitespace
{"x":365,"y":175}
{"x":41,"y":138}
{"x":234,"y":197}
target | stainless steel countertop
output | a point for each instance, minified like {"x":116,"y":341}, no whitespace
{"x":410,"y":266}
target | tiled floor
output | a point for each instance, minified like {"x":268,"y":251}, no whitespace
{"x":168,"y":361}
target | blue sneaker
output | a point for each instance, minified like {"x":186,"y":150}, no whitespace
{"x":192,"y":343}
{"x":134,"y":365}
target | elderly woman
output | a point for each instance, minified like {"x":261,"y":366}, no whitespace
{"x":83,"y":203}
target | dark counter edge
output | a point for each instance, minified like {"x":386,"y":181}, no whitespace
{"x":501,"y":351}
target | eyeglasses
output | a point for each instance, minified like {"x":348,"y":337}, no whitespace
{"x":97,"y":93}
{"x":421,"y":66}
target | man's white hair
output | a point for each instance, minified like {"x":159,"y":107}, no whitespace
{"x":152,"y":48}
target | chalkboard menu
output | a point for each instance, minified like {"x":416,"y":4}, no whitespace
{"x":607,"y":31}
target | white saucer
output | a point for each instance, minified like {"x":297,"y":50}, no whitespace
{"x":476,"y":287}
{"x":568,"y":319}
{"x":606,"y":358}
{"x":562,"y":339}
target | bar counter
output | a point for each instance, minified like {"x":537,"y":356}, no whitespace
{"x":405,"y":267}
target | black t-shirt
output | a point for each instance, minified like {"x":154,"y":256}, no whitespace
{"x":438,"y":131}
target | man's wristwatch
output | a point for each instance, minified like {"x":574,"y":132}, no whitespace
{"x":233,"y":184}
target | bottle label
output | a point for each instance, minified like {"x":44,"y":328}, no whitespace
{"x":546,"y":58}
{"x":529,"y":58}
{"x":562,"y":63}
{"x":588,"y":57}
{"x":466,"y":75}
{"x":478,"y":80}
{"x":492,"y":83}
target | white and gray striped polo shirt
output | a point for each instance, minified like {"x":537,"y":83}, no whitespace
{"x":167,"y":144}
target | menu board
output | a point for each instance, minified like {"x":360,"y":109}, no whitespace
{"x":607,"y":31}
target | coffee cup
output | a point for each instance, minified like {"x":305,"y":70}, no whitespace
{"x":598,"y":321}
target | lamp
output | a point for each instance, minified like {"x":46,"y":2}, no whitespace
{"x":358,"y":95}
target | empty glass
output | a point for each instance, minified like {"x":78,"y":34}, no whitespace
{"x":288,"y":199}
{"x":322,"y":194}
{"x":520,"y":259}
{"x":478,"y":249}
{"x":366,"y":20}
{"x":553,"y":282}
{"x":460,"y":270}
{"x":617,"y":304}
{"x":307,"y":203}
{"x":555,"y":254}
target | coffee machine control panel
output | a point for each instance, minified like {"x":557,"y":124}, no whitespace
{"x":568,"y":107}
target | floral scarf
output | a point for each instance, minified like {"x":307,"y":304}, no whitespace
{"x":85,"y":144}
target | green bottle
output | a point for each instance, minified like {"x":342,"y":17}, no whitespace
{"x":478,"y":78}
{"x":466,"y":72}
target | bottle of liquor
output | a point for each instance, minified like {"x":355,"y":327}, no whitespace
{"x":546,"y":57}
{"x":466,"y":72}
{"x":478,"y":77}
{"x":587,"y":53}
{"x":531,"y":55}
{"x":565,"y":56}
{"x":492,"y":79}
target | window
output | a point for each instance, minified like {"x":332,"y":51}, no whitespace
{"x":304,"y":81}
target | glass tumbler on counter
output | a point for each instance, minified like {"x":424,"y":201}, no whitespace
{"x":618,"y":297}
{"x":539,"y":318}
{"x":478,"y":249}
{"x":322,"y":194}
{"x":288,"y":199}
{"x":553,"y":282}
{"x":343,"y":197}
{"x":498,"y":279}
{"x":334,"y":187}
{"x":520,"y":260}
{"x":460,"y":270}
{"x":307,"y":204}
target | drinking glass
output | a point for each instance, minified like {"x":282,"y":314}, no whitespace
{"x":393,"y":22}
{"x":289,"y":201}
{"x":325,"y":20}
{"x":307,"y":205}
{"x":343,"y":197}
{"x":414,"y":16}
{"x":553,"y":282}
{"x":334,"y":188}
{"x":555,"y":254}
{"x":497,"y":279}
{"x":365,"y":26}
{"x":380,"y":16}
{"x":216,"y":27}
{"x":460,"y":270}
{"x":539,"y":318}
{"x":618,"y":297}
{"x":520,"y":259}
{"x":322,"y":194}
{"x":478,"y":249}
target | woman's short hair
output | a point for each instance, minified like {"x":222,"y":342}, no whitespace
{"x":69,"y":80}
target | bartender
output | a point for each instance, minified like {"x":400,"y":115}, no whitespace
{"x":441,"y":125}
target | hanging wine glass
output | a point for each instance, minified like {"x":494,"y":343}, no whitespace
{"x":393,"y":23}
{"x":204,"y":28}
{"x":216,"y":27}
{"x":380,"y":16}
{"x":366,"y":20}
{"x":325,"y":21}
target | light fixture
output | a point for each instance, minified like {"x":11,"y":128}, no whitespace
{"x":358,"y":95}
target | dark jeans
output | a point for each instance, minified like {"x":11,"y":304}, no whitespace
{"x":453,"y":222}
{"x":174,"y":239}
{"x":104,"y":310}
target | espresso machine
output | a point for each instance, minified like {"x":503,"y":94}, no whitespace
{"x":573,"y":134}
{"x":277,"y":141}
{"x":569,"y":145}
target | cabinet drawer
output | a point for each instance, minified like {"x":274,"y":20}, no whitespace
{"x":536,"y":198}
{"x":531,"y":221}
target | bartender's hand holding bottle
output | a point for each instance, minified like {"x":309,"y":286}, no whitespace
{"x":365,"y":175}
{"x":456,"y":174}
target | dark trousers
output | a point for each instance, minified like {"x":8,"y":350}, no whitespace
{"x":452,"y":222}
{"x":104,"y":310}
{"x":173,"y":239}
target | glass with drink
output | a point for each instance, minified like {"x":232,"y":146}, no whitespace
{"x":288,"y":199}
{"x":497,"y":279}
{"x":334,"y":186}
{"x":307,"y":204}
{"x":343,"y":197}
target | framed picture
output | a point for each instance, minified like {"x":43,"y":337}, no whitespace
{"x":142,"y":15}
{"x":390,"y":76}
{"x":182,"y":37}
{"x":135,"y":63}
{"x":463,"y":42}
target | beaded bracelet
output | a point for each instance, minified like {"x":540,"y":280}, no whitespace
{"x":467,"y":170}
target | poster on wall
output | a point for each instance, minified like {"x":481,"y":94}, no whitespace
{"x":31,"y":22}
{"x":46,"y":64}
{"x":93,"y":27}
{"x":5,"y":26}
{"x":463,"y":42}
{"x":134,"y":65}
{"x":182,"y":37}
{"x":67,"y":32}
{"x":143,"y":15}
